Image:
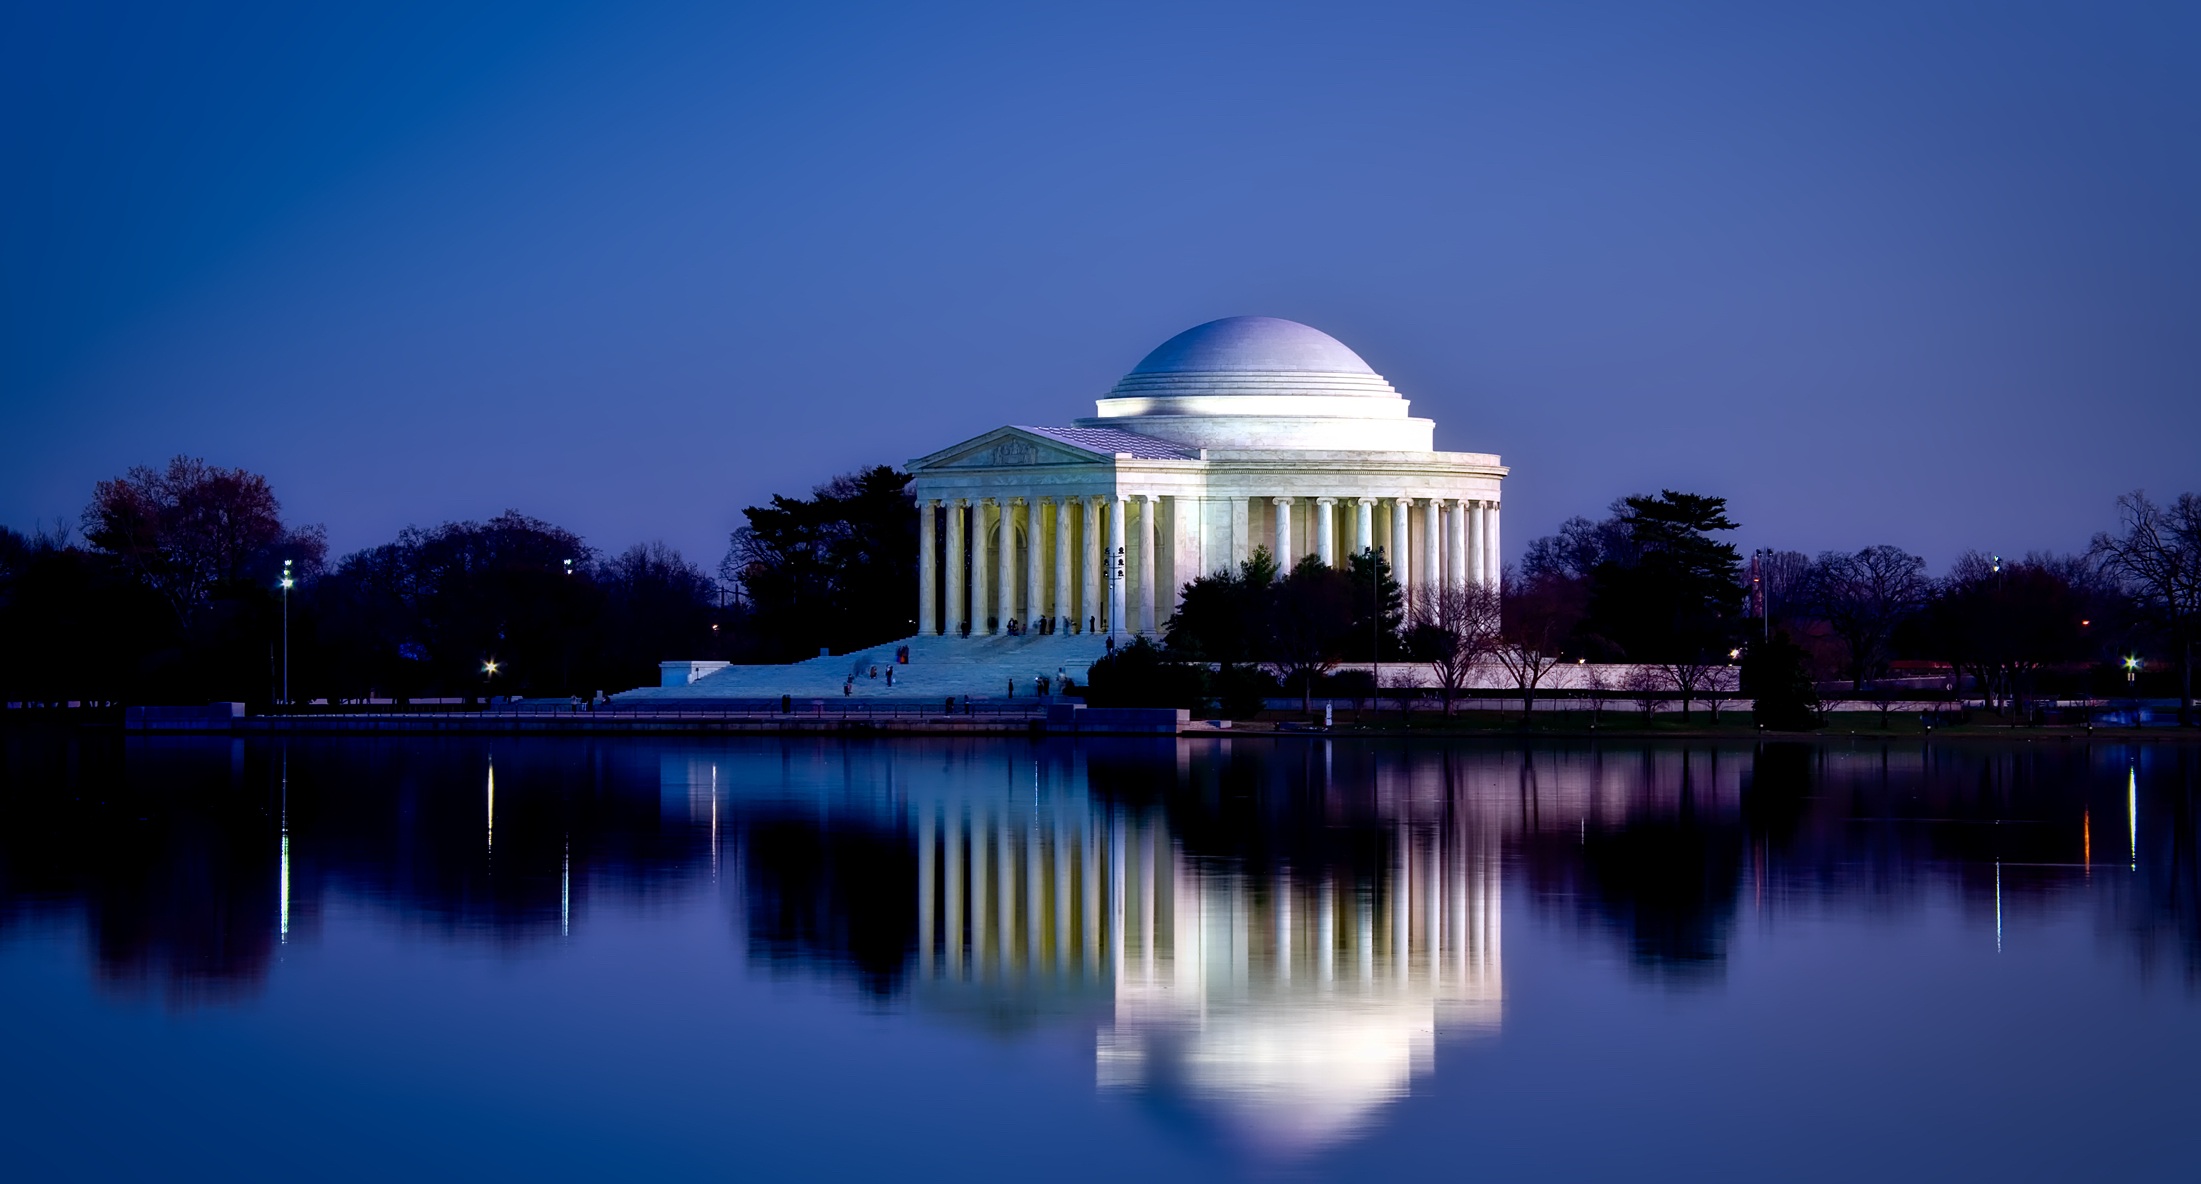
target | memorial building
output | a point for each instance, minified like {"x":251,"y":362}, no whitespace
{"x":1236,"y":434}
{"x":1040,"y":547}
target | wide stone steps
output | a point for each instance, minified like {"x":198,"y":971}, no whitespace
{"x":979,"y":667}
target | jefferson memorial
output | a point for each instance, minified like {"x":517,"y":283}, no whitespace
{"x":1238,"y":433}
{"x":1039,"y":546}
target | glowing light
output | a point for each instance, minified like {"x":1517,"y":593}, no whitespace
{"x":2132,"y":814}
{"x":489,"y":667}
{"x":2132,"y":663}
{"x":2086,"y":840}
{"x":1998,"y":906}
{"x":283,"y":910}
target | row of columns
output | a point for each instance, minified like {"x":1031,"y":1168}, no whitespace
{"x":1459,"y":548}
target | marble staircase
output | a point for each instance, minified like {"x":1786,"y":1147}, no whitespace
{"x":980,"y":667}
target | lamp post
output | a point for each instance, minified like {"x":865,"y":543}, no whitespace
{"x":287,"y":581}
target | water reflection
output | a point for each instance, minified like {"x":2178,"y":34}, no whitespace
{"x":1278,"y":938}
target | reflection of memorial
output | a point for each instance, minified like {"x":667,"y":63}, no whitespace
{"x":1291,"y":1004}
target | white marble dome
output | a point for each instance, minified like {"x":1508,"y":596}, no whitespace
{"x":1258,"y":383}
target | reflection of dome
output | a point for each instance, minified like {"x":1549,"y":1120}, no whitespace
{"x":1260,"y":382}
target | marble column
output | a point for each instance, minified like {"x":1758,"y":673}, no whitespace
{"x":1402,"y":510}
{"x":1325,"y":531}
{"x":1091,"y":556}
{"x":1150,"y":535}
{"x":1429,"y":573}
{"x":1035,"y":556}
{"x":1059,"y":605}
{"x":1455,"y":545}
{"x":1476,"y":576}
{"x":1241,"y":532}
{"x":958,"y":607}
{"x":1005,"y":561}
{"x":1115,"y":561}
{"x":1364,"y":525}
{"x":927,"y":560}
{"x":1493,"y":558}
{"x":1284,"y":556}
{"x":981,"y":564}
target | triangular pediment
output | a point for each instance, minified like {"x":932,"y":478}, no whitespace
{"x":1007,"y":448}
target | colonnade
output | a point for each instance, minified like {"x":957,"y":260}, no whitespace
{"x":1112,"y":897}
{"x":1115,"y":563}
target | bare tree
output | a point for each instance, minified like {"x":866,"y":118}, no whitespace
{"x":1721,"y":684}
{"x":1454,"y":630}
{"x":2157,"y":554}
{"x":1864,"y":596}
{"x":1646,"y":682}
{"x":1541,"y":613}
{"x":1693,"y":679}
{"x":1597,"y":687}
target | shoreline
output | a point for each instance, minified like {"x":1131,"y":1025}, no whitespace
{"x":1867,"y":727}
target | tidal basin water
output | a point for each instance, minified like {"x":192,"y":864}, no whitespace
{"x":1150,"y":960}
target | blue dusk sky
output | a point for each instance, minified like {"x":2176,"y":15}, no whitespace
{"x":1907,"y":272}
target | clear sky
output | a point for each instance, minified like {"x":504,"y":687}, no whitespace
{"x":1907,"y":272}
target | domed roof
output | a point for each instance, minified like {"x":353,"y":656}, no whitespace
{"x":1253,"y":344}
{"x":1252,"y":356}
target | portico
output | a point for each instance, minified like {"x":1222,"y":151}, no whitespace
{"x":1240,"y":433}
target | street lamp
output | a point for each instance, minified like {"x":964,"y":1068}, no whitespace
{"x":2132,"y":670}
{"x":287,"y":582}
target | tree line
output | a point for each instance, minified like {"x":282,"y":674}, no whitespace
{"x":170,"y":589}
{"x":1654,"y":585}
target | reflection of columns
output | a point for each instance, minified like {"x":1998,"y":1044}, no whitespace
{"x":951,"y":895}
{"x":1284,"y":558}
{"x":1058,"y":606}
{"x":979,"y":928}
{"x":1005,"y":559}
{"x":1325,"y":531}
{"x":1477,"y":552}
{"x":1283,"y":908}
{"x":1401,"y":524}
{"x":1089,"y":890}
{"x":1114,"y":559}
{"x":927,"y":557}
{"x":1402,"y":906}
{"x":1089,"y":607}
{"x":1325,"y":933}
{"x":927,"y":879}
{"x":958,"y":607}
{"x":1115,"y":895}
{"x":1455,"y":546}
{"x":1005,"y":902}
{"x":1148,"y":871}
{"x":1060,"y":853}
{"x":1364,"y":525}
{"x":1150,"y":508}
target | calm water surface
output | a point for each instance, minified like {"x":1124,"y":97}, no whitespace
{"x":1143,"y":959}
